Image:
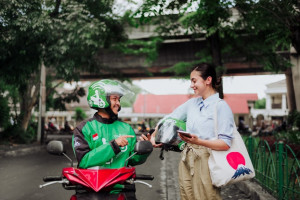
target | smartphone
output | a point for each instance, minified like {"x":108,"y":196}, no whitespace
{"x":185,"y":134}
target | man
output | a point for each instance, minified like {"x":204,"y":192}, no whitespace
{"x":104,"y":141}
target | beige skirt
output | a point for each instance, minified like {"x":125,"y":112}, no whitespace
{"x":194,"y":178}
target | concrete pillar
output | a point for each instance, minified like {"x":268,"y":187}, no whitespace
{"x":268,"y":102}
{"x":283,"y":102}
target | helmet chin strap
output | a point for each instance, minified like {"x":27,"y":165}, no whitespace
{"x":112,"y":115}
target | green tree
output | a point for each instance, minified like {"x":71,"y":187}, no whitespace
{"x":260,"y":104}
{"x":4,"y":106}
{"x":276,"y":24}
{"x":58,"y":100}
{"x":79,"y":114}
{"x":204,"y":18}
{"x":62,"y":35}
{"x":256,"y":33}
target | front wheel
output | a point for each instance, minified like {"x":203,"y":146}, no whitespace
{"x":104,"y":196}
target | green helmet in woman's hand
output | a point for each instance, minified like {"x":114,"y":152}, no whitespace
{"x":167,"y":133}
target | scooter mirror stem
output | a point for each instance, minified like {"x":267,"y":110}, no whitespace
{"x":129,"y":158}
{"x":68,"y":158}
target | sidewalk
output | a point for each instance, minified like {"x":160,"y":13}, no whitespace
{"x":245,"y":190}
{"x":23,"y":149}
{"x":20,"y":149}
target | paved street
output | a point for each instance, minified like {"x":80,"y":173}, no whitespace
{"x":21,"y":176}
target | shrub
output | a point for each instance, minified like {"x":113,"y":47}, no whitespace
{"x":15,"y":134}
{"x":294,"y":119}
{"x":289,"y":137}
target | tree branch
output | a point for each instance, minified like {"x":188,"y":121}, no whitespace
{"x":56,"y":9}
{"x":53,"y":88}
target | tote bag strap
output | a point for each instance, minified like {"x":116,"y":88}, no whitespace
{"x":216,"y":118}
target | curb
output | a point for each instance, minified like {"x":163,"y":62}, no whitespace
{"x":21,"y":151}
{"x":255,"y":191}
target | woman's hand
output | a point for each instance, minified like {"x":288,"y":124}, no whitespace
{"x":192,"y":140}
{"x":218,"y":144}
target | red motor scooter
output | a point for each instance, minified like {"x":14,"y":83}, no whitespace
{"x":97,"y":183}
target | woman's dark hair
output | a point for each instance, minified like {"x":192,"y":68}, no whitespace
{"x":206,"y":70}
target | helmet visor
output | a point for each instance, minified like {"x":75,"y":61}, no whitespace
{"x":109,"y":87}
{"x":167,"y":131}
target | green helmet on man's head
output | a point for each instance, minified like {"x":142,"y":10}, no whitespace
{"x":99,"y":92}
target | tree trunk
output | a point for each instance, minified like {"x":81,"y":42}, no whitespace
{"x":295,"y":60}
{"x":290,"y":90}
{"x":28,"y":97}
{"x":215,"y":47}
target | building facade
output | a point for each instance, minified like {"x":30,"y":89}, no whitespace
{"x":276,"y":109}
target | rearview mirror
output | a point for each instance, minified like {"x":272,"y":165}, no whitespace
{"x":55,"y":147}
{"x":143,"y":147}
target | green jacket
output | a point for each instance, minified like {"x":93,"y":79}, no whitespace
{"x":94,"y":144}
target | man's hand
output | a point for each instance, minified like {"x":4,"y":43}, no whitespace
{"x":122,"y":140}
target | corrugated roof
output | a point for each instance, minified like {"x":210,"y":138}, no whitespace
{"x":239,"y":102}
{"x":150,"y":103}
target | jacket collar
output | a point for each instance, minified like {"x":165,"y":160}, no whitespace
{"x":103,"y":120}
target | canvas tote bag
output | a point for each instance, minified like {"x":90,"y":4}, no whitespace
{"x":233,"y":165}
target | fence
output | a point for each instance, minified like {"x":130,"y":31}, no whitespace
{"x":277,"y":168}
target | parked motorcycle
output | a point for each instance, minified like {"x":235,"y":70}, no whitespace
{"x":97,"y":183}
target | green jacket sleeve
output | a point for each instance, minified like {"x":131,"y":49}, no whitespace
{"x":97,"y":157}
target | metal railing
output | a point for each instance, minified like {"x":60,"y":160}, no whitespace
{"x":277,"y":168}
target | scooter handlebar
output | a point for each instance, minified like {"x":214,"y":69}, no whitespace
{"x":52,"y":178}
{"x":144,"y":177}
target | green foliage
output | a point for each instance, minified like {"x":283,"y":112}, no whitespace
{"x":4,"y":106}
{"x":15,"y":134}
{"x":278,"y":19}
{"x":79,"y":114}
{"x":20,"y":25}
{"x":181,"y":69}
{"x":58,"y":101}
{"x":64,"y":35}
{"x":139,"y":47}
{"x":78,"y":32}
{"x":260,"y":104}
{"x":294,"y":119}
{"x":289,"y":137}
{"x":209,"y":18}
{"x":255,"y":34}
{"x":8,"y":102}
{"x":196,"y":19}
{"x":4,"y":112}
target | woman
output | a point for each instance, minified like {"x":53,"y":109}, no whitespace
{"x":194,"y":176}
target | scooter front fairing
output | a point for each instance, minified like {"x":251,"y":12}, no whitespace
{"x":98,"y":179}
